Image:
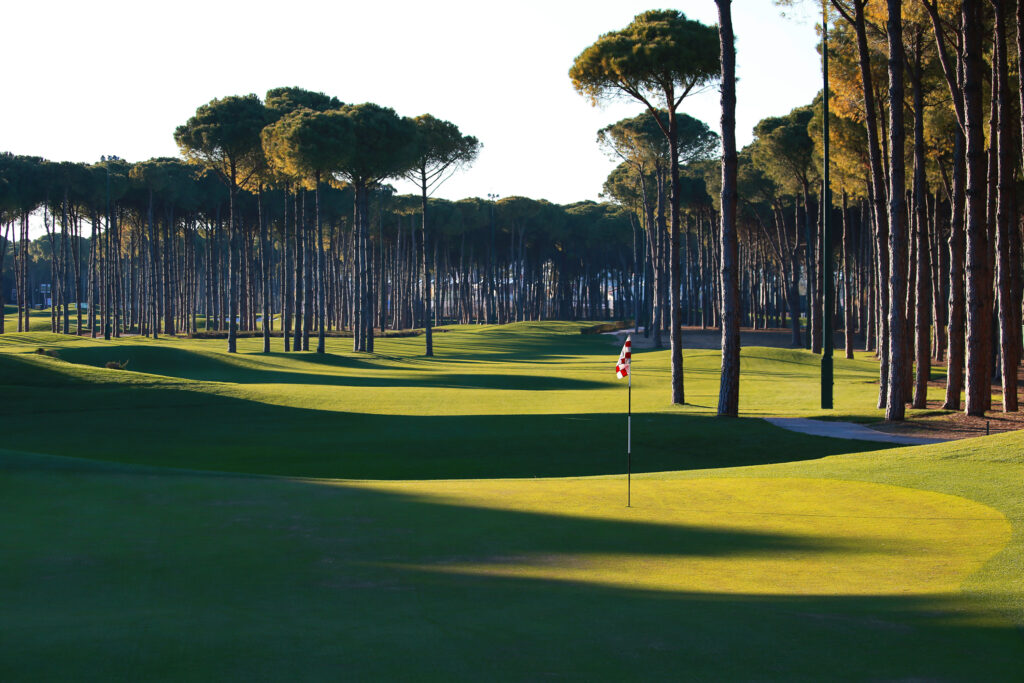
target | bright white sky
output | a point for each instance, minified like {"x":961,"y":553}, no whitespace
{"x":84,"y":79}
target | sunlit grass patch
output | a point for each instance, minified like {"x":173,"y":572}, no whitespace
{"x":747,"y":536}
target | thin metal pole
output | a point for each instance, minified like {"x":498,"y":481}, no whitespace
{"x":629,"y":435}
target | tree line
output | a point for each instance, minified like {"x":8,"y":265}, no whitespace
{"x":925,"y":131}
{"x":926,"y":149}
{"x":162,"y":263}
{"x":287,"y":211}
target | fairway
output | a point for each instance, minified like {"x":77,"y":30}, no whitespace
{"x":518,"y":400}
{"x":464,"y":517}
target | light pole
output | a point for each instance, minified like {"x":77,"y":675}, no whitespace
{"x":492,"y":271}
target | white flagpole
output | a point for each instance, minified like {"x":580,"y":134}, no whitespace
{"x":629,"y":434}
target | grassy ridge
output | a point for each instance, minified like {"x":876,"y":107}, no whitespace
{"x":538,"y":400}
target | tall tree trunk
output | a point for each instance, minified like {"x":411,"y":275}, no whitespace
{"x":847,"y":295}
{"x":300,"y":252}
{"x":897,"y":216}
{"x":979,"y":313}
{"x":154,"y":269}
{"x":321,"y":303}
{"x":678,"y":392}
{"x":878,"y":193}
{"x":1009,"y":327}
{"x":729,"y":388}
{"x":957,"y":286}
{"x":923,"y":322}
{"x":5,"y":240}
{"x":264,"y":270}
{"x":233,"y":264}
{"x":428,"y":330}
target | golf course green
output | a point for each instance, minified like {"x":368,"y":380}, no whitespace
{"x":205,"y":516}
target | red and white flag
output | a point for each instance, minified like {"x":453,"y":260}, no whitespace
{"x":622,"y":367}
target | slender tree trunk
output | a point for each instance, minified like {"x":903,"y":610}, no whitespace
{"x":729,"y":389}
{"x":321,"y":345}
{"x":979,"y":313}
{"x":847,"y":295}
{"x":1009,"y":327}
{"x":428,"y":331}
{"x":923,"y":322}
{"x":897,"y":216}
{"x":878,"y":196}
{"x":5,"y":240}
{"x":264,"y":270}
{"x":300,"y":254}
{"x":957,"y":288}
{"x":678,"y":392}
{"x":232,"y":264}
{"x":154,"y":269}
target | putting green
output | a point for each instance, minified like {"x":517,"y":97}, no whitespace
{"x":808,"y":536}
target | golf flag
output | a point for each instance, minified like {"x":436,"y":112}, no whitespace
{"x":622,"y":367}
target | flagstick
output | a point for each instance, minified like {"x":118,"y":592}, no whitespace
{"x":629,"y":436}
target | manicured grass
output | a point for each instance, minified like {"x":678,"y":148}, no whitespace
{"x":520,"y":400}
{"x":38,"y":321}
{"x":749,"y":552}
{"x":781,"y":572}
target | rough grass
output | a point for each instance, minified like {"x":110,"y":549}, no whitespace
{"x":747,"y":554}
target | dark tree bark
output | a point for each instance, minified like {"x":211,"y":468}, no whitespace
{"x":957,"y":291}
{"x":979,"y":313}
{"x":428,"y":329}
{"x":264,"y":270}
{"x":297,"y":280}
{"x":895,"y":408}
{"x":729,"y":389}
{"x":1009,"y":328}
{"x":233,"y":263}
{"x":847,"y":296}
{"x":878,"y":191}
{"x":923,"y":322}
{"x":321,"y":304}
{"x":675,"y":312}
{"x":285,"y":283}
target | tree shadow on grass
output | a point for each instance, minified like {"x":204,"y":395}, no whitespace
{"x":180,"y":427}
{"x":249,"y":369}
{"x":118,"y":573}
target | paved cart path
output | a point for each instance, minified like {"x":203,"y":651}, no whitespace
{"x":845,"y":430}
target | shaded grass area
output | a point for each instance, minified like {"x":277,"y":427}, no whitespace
{"x":385,"y":416}
{"x":128,"y":572}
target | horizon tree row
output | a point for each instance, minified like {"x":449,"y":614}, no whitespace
{"x":161,"y":264}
